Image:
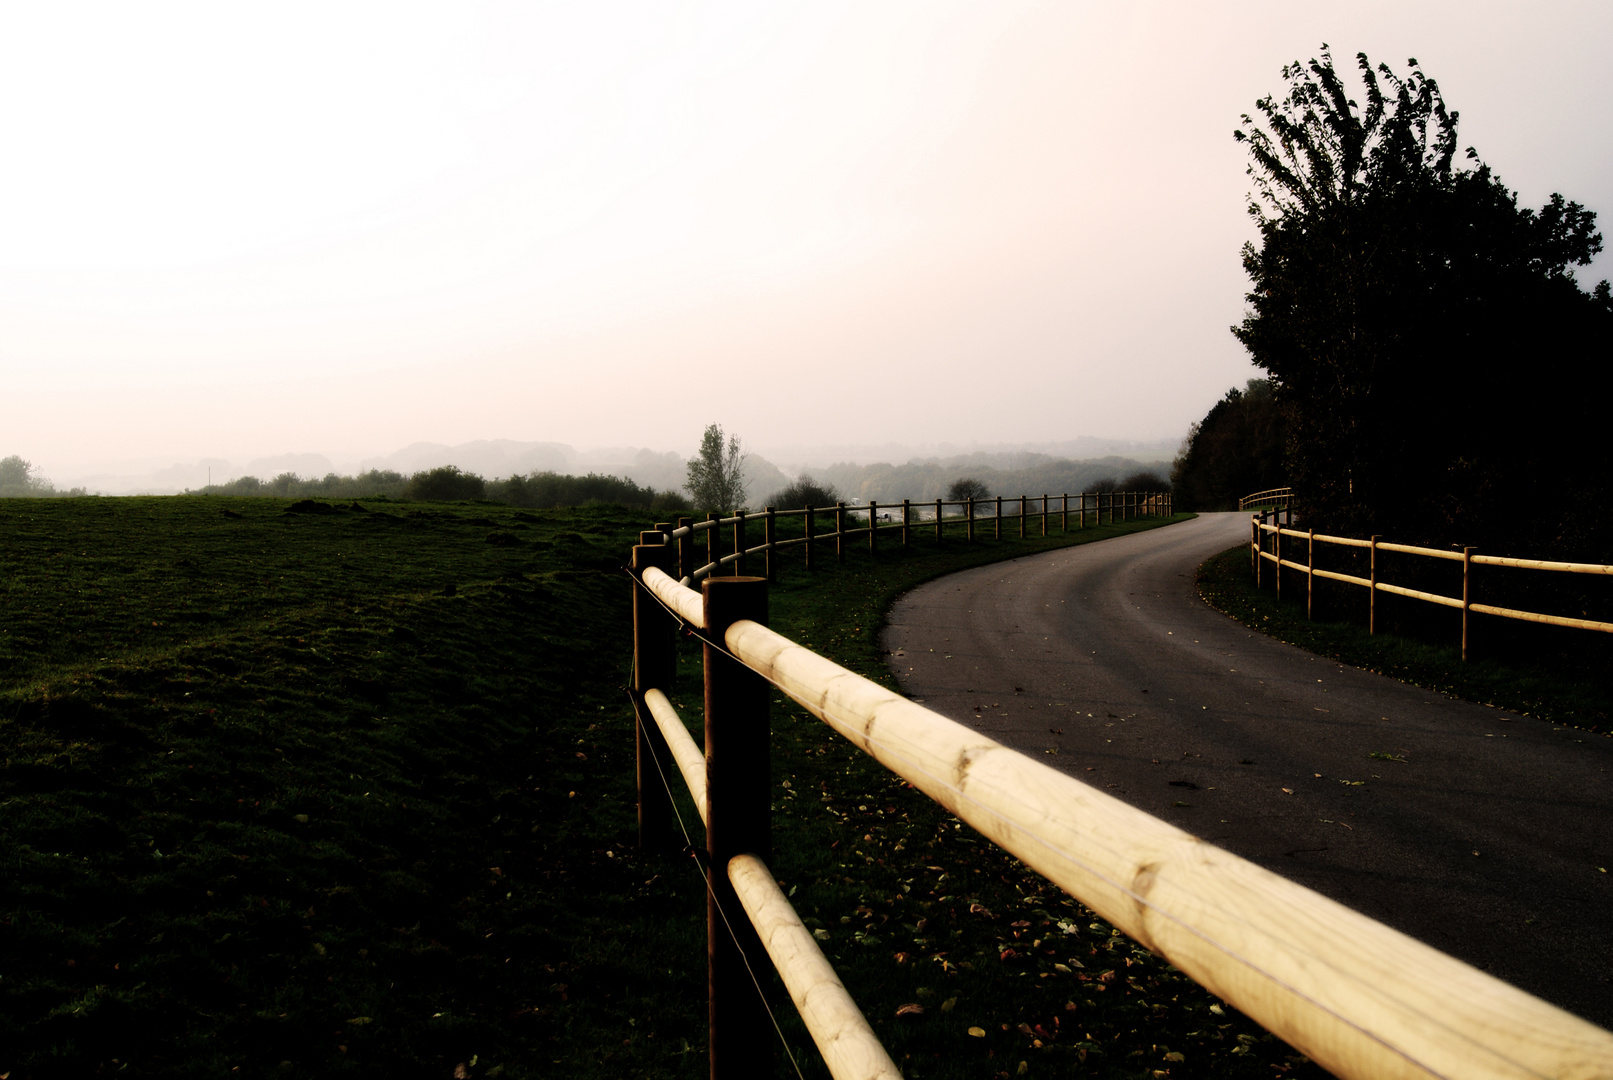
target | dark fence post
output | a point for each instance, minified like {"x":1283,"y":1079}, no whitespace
{"x":1044,"y":515}
{"x":969,"y":528}
{"x":938,"y":506}
{"x":770,"y":538}
{"x":714,"y":542}
{"x":840,"y":532}
{"x":1372,"y":576}
{"x":1277,"y":550}
{"x":997,"y":522}
{"x":873,"y":525}
{"x":653,"y":661}
{"x":1260,"y":545}
{"x":907,"y":520}
{"x":738,"y":791}
{"x":740,"y":558}
{"x":1310,"y":571}
{"x":1467,"y":594}
{"x":685,"y":547}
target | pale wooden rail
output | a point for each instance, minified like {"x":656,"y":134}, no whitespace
{"x":1468,"y":557}
{"x":848,"y":1045}
{"x":1359,"y":998}
{"x":1274,"y":497}
{"x":1112,"y":506}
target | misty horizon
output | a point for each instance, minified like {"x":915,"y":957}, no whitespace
{"x":662,"y":469}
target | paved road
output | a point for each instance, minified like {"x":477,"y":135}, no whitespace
{"x":1101,"y":660}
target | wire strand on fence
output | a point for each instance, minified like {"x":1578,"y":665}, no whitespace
{"x":1461,"y":1041}
{"x":705,"y":874}
{"x":1058,"y":850}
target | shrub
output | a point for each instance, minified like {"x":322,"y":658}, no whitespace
{"x":445,"y":484}
{"x":802,"y":493}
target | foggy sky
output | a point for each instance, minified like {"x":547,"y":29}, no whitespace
{"x":232,"y":231}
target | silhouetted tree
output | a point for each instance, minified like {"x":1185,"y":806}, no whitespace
{"x":716,"y":472}
{"x":804,"y":492}
{"x":1409,"y":313}
{"x":967,"y":487}
{"x":1236,"y":450}
{"x":1145,"y":480}
{"x":16,"y":477}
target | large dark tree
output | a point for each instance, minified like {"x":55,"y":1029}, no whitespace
{"x":1425,"y":337}
{"x":1236,"y":450}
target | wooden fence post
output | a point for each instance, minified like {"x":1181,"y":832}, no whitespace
{"x":654,"y":657}
{"x":938,"y":506}
{"x":738,"y":794}
{"x":840,"y":532}
{"x":809,"y":537}
{"x":997,"y":521}
{"x":1065,"y":512}
{"x":1467,"y":590}
{"x":907,"y":520}
{"x":1023,"y":509}
{"x":740,"y":558}
{"x":714,"y":541}
{"x":685,"y":546}
{"x":1260,"y":545}
{"x":770,"y":538}
{"x":969,"y":528}
{"x":1277,"y":549}
{"x":1372,"y":576}
{"x":873,"y":525}
{"x":1310,"y":570}
{"x":1044,"y":515}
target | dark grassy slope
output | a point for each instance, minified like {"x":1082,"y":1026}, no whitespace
{"x":352,"y":789}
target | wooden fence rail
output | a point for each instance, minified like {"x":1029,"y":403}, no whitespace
{"x":1109,"y":506}
{"x":1359,"y":998}
{"x":1273,"y":497}
{"x":1271,"y":523}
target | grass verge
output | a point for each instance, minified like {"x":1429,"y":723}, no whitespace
{"x":1581,"y":699}
{"x":317,"y":789}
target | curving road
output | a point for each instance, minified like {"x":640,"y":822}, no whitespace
{"x":1485,"y":840}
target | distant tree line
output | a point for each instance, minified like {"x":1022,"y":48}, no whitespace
{"x":1008,"y":475}
{"x":20,"y":480}
{"x":449,"y":483}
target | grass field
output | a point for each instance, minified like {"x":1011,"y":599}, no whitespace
{"x":314,"y":789}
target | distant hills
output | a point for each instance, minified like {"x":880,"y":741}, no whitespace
{"x":860,"y":471}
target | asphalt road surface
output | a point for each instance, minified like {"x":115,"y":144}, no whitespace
{"x":1484,"y":836}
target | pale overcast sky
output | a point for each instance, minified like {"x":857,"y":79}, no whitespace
{"x":230,"y":230}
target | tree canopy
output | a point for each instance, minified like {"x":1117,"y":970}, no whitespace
{"x":717,"y":472}
{"x":967,"y":487}
{"x":1236,"y":450}
{"x":804,"y":492}
{"x":1425,"y":336}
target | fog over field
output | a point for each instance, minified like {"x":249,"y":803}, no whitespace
{"x":302,"y":237}
{"x":766,"y":470}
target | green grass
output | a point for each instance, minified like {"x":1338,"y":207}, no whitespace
{"x":1536,"y":679}
{"x":353,"y":790}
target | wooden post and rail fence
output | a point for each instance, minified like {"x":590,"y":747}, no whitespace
{"x":1361,"y":999}
{"x":905,"y":519}
{"x":1277,"y":523}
